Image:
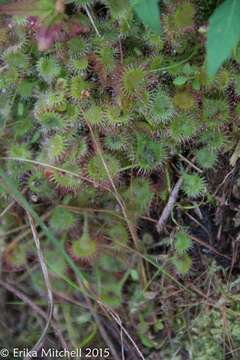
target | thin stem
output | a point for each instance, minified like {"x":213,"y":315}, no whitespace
{"x":92,"y":21}
{"x":190,"y":163}
{"x":44,"y":269}
{"x":50,"y":167}
{"x":128,"y":167}
{"x":164,"y":68}
{"x":119,"y":200}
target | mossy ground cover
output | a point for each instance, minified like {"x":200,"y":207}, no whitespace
{"x":120,"y":155}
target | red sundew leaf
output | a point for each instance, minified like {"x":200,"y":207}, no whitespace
{"x":46,"y":36}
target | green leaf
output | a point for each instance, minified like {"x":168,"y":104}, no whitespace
{"x":180,"y":80}
{"x":223,"y":34}
{"x":196,"y":85}
{"x":12,"y":189}
{"x":148,"y":11}
{"x":134,"y":275}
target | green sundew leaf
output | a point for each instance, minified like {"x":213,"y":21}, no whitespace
{"x":196,"y":85}
{"x":11,"y":187}
{"x":148,"y":11}
{"x":134,"y":275}
{"x":223,"y":34}
{"x":180,"y":80}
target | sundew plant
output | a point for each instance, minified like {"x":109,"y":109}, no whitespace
{"x":120,"y":178}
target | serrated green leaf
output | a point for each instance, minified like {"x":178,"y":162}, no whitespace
{"x":223,"y":34}
{"x":148,"y":11}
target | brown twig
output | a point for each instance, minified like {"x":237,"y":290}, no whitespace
{"x":101,"y":329}
{"x":169,"y":206}
{"x":190,"y":163}
{"x":43,"y":266}
{"x":118,"y":320}
{"x":210,"y":247}
{"x":35,"y":308}
{"x":12,"y":203}
{"x":23,"y":234}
